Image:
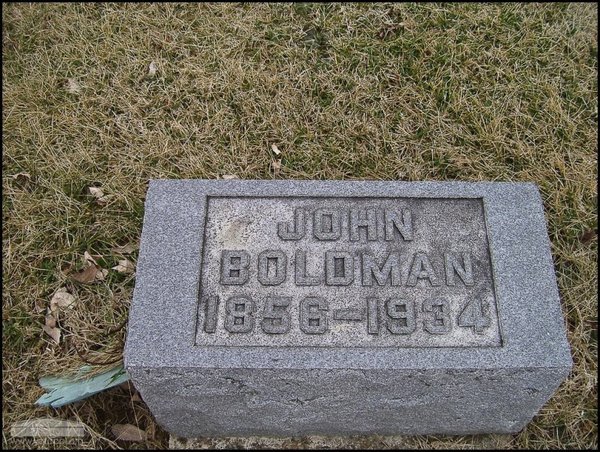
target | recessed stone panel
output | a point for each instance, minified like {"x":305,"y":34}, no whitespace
{"x":346,"y":272}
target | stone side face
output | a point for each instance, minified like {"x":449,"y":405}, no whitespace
{"x":241,"y":402}
{"x":286,"y":308}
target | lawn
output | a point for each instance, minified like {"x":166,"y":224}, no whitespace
{"x":107,"y":96}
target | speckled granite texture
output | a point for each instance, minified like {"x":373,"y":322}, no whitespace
{"x":289,"y":308}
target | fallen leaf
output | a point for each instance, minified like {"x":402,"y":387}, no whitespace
{"x":275,"y":149}
{"x":54,"y":333}
{"x":135,"y":395}
{"x":97,"y":193}
{"x":21,"y":177}
{"x":389,"y":29}
{"x":588,"y":236}
{"x":51,"y":329}
{"x":72,"y":86}
{"x":50,"y":320}
{"x":125,"y":266}
{"x":125,"y":249}
{"x":86,"y":275}
{"x":229,"y":176}
{"x":101,"y":274}
{"x":61,"y":299}
{"x":152,"y":69}
{"x":276,"y":164}
{"x":128,"y":432}
{"x":89,"y":259}
{"x":40,"y":306}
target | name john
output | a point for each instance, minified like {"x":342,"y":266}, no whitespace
{"x":328,"y":224}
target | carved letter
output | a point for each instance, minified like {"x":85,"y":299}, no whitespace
{"x":239,"y":316}
{"x":372,"y":315}
{"x":441,"y":322}
{"x":339,"y":268}
{"x":211,"y":306}
{"x":276,"y":321}
{"x":326,"y":224}
{"x":234,"y":267}
{"x":302,"y":279}
{"x":358,"y":220}
{"x":272,"y":265}
{"x":285,"y":231}
{"x":401,"y":316}
{"x":421,"y":269}
{"x":465,"y":272}
{"x":404,"y":227}
{"x":313,"y":315}
{"x":389,"y":271}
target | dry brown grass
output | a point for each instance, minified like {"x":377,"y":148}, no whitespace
{"x":346,"y":91}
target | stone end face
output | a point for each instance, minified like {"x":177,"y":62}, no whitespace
{"x":321,"y":307}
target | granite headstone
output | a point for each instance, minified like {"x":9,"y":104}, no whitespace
{"x":290,"y":308}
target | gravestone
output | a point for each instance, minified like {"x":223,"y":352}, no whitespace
{"x":289,"y":308}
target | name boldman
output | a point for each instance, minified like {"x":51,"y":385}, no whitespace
{"x":337,"y":268}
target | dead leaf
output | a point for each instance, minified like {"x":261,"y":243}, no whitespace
{"x":588,"y":236}
{"x":276,"y":164}
{"x":50,"y":320}
{"x":136,"y":397}
{"x":61,"y":299}
{"x":51,"y":329}
{"x":275,"y":149}
{"x":229,"y":176}
{"x":87,"y":275}
{"x":54,"y":333}
{"x":128,"y":432}
{"x":72,"y":86}
{"x":125,"y":266}
{"x":389,"y":29}
{"x":89,"y":258}
{"x":97,"y":193}
{"x":21,"y":177}
{"x":125,"y":249}
{"x":91,"y":272}
{"x":40,"y":306}
{"x":152,"y":69}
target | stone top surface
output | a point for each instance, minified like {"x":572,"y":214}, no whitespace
{"x":339,"y":274}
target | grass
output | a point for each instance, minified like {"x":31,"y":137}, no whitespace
{"x":497,"y":92}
